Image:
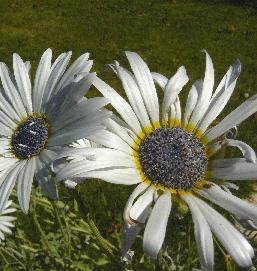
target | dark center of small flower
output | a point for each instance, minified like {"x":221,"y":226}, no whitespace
{"x":30,"y":137}
{"x":173,"y":158}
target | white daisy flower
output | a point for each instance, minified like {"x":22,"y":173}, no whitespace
{"x":171,"y":157}
{"x":36,"y":122}
{"x":6,"y":220}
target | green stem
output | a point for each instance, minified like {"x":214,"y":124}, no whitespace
{"x":58,"y":218}
{"x":43,"y":237}
{"x":105,"y":245}
{"x":4,"y":258}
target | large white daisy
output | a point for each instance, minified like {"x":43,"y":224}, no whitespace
{"x":6,"y":220}
{"x":171,"y":157}
{"x":36,"y":122}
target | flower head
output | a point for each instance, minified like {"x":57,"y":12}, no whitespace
{"x":172,"y":157}
{"x":36,"y":122}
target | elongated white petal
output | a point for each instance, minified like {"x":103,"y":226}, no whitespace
{"x":69,"y":96}
{"x":57,"y":71}
{"x":178,"y":111}
{"x":159,"y":79}
{"x":234,"y":169}
{"x":25,"y":180}
{"x":139,"y":210}
{"x":156,"y":225}
{"x":42,"y":75}
{"x":45,"y":180}
{"x":172,"y":89}
{"x":136,"y":192}
{"x":126,"y":176}
{"x":233,"y":204}
{"x":120,"y":131}
{"x":146,"y":85}
{"x":241,"y":113}
{"x":134,"y":96}
{"x":123,"y":108}
{"x":23,"y":82}
{"x":220,"y":100}
{"x":9,"y":179}
{"x":8,"y":108}
{"x":246,"y":150}
{"x":205,"y":95}
{"x":11,"y":92}
{"x":232,"y":240}
{"x":132,"y":228}
{"x":84,"y":108}
{"x":80,"y":65}
{"x":128,"y":236}
{"x":5,"y":119}
{"x":110,"y":140}
{"x":192,"y":100}
{"x":104,"y":158}
{"x":203,"y":235}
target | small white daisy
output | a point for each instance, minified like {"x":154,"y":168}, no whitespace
{"x":6,"y":220}
{"x":172,"y":157}
{"x":36,"y":122}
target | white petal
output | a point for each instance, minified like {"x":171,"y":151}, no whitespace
{"x":122,"y":107}
{"x":128,"y":237}
{"x":178,"y":111}
{"x":25,"y":180}
{"x":5,"y":119}
{"x":82,"y":109}
{"x":159,"y":79}
{"x":205,"y":95}
{"x":172,"y":89}
{"x":220,"y":100}
{"x":203,"y":235}
{"x":104,"y":158}
{"x":41,"y":78}
{"x":234,"y":205}
{"x":80,"y":65}
{"x":7,"y":107}
{"x":192,"y":100}
{"x":119,"y":131}
{"x":231,"y":239}
{"x":23,"y":82}
{"x":134,"y":96}
{"x":110,"y":140}
{"x":57,"y":71}
{"x":9,"y":179}
{"x":246,"y":150}
{"x":234,"y":169}
{"x":241,"y":113}
{"x":28,"y":66}
{"x":45,"y":180}
{"x":70,"y":134}
{"x":126,"y":176}
{"x":136,"y":192}
{"x":146,"y":85}
{"x":69,"y":96}
{"x":11,"y":92}
{"x":139,"y":210}
{"x":156,"y":225}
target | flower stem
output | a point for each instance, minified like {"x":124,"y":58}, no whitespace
{"x":58,"y":218}
{"x":105,"y":245}
{"x":43,"y":237}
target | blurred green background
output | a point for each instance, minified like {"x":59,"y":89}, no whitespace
{"x":166,"y":34}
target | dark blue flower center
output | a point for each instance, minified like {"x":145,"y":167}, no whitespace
{"x":30,"y":137}
{"x":173,"y":158}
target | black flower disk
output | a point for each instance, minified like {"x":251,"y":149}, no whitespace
{"x":173,"y":158}
{"x":30,"y":137}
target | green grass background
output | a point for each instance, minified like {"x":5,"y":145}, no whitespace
{"x":166,"y":34}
